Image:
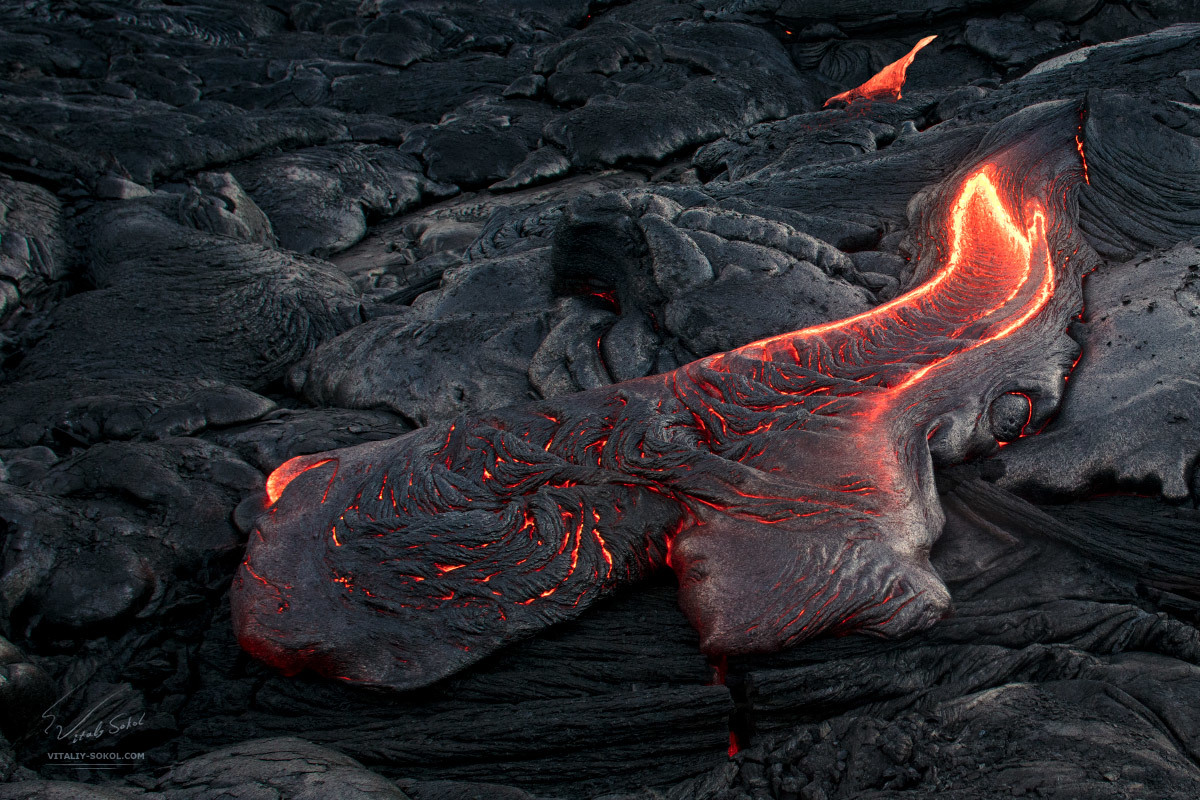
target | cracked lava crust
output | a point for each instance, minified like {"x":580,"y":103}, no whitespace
{"x":788,"y":483}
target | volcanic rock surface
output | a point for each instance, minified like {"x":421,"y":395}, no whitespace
{"x":232,"y":233}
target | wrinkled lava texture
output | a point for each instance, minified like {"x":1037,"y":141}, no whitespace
{"x":536,"y":400}
{"x":788,"y":483}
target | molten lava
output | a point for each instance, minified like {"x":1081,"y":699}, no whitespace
{"x":287,"y":472}
{"x":886,"y":83}
{"x":990,"y":263}
{"x":788,"y":483}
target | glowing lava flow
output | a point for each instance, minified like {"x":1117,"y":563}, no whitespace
{"x":788,"y":483}
{"x":990,"y":262}
{"x":886,"y":83}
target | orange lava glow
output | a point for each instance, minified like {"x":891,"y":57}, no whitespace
{"x":986,"y":238}
{"x":886,"y":83}
{"x":564,"y":502}
{"x":287,"y":472}
{"x":1082,"y":157}
{"x":982,"y":289}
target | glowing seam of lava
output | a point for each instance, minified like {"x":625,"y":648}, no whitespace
{"x":1045,"y":292}
{"x":1082,"y":156}
{"x":990,"y":230}
{"x":980,"y":183}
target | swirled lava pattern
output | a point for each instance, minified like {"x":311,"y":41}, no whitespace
{"x":788,"y":483}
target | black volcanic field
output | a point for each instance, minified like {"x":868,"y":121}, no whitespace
{"x":233,"y":232}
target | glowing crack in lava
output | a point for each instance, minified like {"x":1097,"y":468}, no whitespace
{"x":886,"y":83}
{"x":788,"y":483}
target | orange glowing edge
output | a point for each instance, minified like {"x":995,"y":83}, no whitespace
{"x":886,"y":83}
{"x":986,"y":244}
{"x":288,"y":471}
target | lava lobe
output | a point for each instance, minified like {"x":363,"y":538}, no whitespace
{"x":788,"y":483}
